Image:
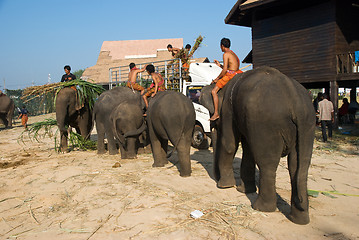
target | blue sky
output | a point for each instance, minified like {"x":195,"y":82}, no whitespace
{"x":39,"y":37}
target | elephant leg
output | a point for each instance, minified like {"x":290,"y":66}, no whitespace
{"x":130,"y":151}
{"x":131,"y":147}
{"x":267,"y":153}
{"x":214,"y":136}
{"x":299,"y":216}
{"x":78,"y":131}
{"x":4,"y":120}
{"x":100,"y":137}
{"x":63,"y":141}
{"x":183,"y":150}
{"x":159,"y":150}
{"x":225,"y":151}
{"x":247,"y":184}
{"x":123,"y":152}
{"x":112,"y":149}
{"x":298,"y":165}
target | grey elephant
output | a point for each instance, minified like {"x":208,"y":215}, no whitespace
{"x":272,"y":115}
{"x":103,"y":108}
{"x":7,"y":107}
{"x":171,"y":116}
{"x":128,"y":123}
{"x":69,"y":114}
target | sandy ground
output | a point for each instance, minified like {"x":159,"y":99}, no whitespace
{"x":80,"y":195}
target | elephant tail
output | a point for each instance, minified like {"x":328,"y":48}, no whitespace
{"x":305,"y":138}
{"x":175,"y":145}
{"x":137,"y":131}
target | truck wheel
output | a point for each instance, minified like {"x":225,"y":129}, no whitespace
{"x":199,"y":138}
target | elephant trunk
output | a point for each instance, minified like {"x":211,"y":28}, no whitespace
{"x":119,"y":136}
{"x":137,"y":131}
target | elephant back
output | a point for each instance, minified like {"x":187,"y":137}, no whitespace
{"x":170,"y":112}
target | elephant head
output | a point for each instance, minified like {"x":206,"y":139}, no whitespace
{"x":206,"y":98}
{"x":127,"y":124}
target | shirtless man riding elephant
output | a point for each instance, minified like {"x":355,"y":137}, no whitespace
{"x":230,"y":68}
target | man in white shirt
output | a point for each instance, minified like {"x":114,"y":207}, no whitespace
{"x":326,"y":116}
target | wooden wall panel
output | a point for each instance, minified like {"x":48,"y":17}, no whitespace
{"x":300,"y":44}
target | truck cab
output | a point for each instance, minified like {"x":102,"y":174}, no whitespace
{"x":201,"y":74}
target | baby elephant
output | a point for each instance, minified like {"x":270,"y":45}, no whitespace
{"x":171,"y":116}
{"x":127,"y":124}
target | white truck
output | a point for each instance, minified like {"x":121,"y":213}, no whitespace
{"x":201,"y":74}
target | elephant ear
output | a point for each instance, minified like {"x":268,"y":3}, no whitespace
{"x":206,"y":98}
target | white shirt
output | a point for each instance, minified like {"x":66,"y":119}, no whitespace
{"x":325,"y":110}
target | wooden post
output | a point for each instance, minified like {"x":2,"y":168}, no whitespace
{"x":334,"y":99}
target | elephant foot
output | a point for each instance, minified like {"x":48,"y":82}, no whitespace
{"x":128,"y":157}
{"x":299,"y":217}
{"x":185,"y":174}
{"x":113,"y":152}
{"x":226,"y":183}
{"x":158,"y":164}
{"x":247,"y":188}
{"x":263,"y":206}
{"x":100,"y":152}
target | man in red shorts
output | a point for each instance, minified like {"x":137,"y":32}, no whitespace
{"x":132,"y":77}
{"x":157,"y":85}
{"x":230,"y":68}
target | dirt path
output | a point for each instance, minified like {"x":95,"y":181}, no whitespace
{"x":80,"y":195}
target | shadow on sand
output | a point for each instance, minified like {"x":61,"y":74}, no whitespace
{"x":205,"y":158}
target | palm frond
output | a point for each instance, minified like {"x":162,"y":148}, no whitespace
{"x":87,"y":91}
{"x":44,"y":128}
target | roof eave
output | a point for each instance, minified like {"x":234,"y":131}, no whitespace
{"x":241,"y":12}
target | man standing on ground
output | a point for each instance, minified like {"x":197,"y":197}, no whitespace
{"x":24,"y":117}
{"x":230,"y":68}
{"x":68,"y":76}
{"x":132,"y":77}
{"x":326,"y":116}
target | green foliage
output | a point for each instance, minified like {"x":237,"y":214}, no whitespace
{"x":41,"y":105}
{"x":76,"y":140}
{"x":33,"y":130}
{"x":315,"y":193}
{"x":86,"y":91}
{"x":45,"y":128}
{"x":78,"y":73}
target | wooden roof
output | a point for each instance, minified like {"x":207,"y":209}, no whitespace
{"x":241,"y":13}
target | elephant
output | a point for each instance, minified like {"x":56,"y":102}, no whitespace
{"x":7,"y":107}
{"x":171,"y":116}
{"x":273,"y":116}
{"x":128,"y":123}
{"x":103,"y":107}
{"x":69,"y":114}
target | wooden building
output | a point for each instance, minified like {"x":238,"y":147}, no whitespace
{"x":312,"y":41}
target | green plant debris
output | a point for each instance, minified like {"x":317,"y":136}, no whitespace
{"x":315,"y":193}
{"x":86,"y":91}
{"x":44,"y":128}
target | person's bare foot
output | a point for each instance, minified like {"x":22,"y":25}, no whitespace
{"x":214,"y":117}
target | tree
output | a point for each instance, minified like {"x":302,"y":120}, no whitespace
{"x":78,"y":73}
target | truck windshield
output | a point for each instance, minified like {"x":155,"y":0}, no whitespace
{"x":193,"y":92}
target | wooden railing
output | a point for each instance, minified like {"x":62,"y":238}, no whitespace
{"x":346,"y":63}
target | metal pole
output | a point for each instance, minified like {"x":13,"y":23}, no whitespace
{"x":141,"y":75}
{"x":166,"y":77}
{"x":180,"y":74}
{"x":110,"y":86}
{"x":119,"y":75}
